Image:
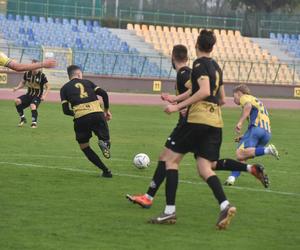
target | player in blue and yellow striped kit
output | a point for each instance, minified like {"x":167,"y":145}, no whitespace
{"x":253,"y":142}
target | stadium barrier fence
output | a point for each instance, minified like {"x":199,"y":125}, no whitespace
{"x":234,"y":71}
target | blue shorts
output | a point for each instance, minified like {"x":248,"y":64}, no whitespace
{"x":255,"y":137}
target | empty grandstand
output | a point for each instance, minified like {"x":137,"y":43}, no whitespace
{"x":94,"y":47}
{"x":115,"y":52}
{"x":242,"y":59}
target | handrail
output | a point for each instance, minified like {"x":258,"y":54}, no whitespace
{"x":243,"y":69}
{"x":180,"y":19}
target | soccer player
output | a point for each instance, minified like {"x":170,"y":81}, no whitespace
{"x":179,"y":63}
{"x":88,"y":115}
{"x":36,"y":81}
{"x":201,"y":134}
{"x":12,"y":64}
{"x":253,"y":142}
{"x":179,"y":60}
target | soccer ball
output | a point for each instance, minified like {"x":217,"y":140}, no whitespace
{"x":141,"y":161}
{"x":49,"y":55}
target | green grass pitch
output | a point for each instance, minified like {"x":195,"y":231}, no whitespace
{"x":52,"y":198}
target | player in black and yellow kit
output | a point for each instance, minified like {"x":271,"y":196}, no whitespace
{"x":88,"y":115}
{"x":37,"y":91}
{"x":202,"y":134}
{"x":179,"y":63}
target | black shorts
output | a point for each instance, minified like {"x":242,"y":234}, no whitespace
{"x":27,"y":100}
{"x":180,"y":123}
{"x":202,"y":140}
{"x":94,"y":122}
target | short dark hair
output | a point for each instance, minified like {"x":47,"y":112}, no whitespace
{"x":206,"y":41}
{"x":71,"y":70}
{"x":180,"y":53}
{"x":34,"y":60}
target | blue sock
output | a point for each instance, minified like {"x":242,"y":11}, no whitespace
{"x":259,"y":151}
{"x":235,"y":174}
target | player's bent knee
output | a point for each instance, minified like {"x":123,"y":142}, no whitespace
{"x":32,"y":106}
{"x":239,"y":155}
{"x":83,"y":145}
{"x":18,"y":101}
{"x":164,"y":155}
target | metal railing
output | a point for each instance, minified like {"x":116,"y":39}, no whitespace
{"x":278,"y":26}
{"x":136,"y":65}
{"x":161,"y":18}
{"x":255,"y":24}
{"x":72,"y":10}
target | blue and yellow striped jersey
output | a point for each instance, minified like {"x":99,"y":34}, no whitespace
{"x":259,"y":116}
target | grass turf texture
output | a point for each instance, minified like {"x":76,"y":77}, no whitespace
{"x":47,"y":204}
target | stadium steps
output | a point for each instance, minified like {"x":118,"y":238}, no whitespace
{"x":273,"y":48}
{"x":143,"y":48}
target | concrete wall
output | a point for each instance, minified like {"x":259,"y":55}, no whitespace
{"x":138,"y":85}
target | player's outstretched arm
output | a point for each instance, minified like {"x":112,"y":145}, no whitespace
{"x":245,"y":114}
{"x":48,"y":63}
{"x":20,"y":86}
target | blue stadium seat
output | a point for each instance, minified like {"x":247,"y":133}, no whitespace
{"x":272,"y":36}
{"x":34,"y":19}
{"x":19,"y":18}
{"x":89,"y":41}
{"x":10,"y":17}
{"x":27,"y":19}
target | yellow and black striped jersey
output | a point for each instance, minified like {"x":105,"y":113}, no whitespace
{"x":35,"y":83}
{"x":80,"y":93}
{"x":4,"y":60}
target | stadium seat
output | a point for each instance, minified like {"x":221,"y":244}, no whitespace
{"x":89,"y":42}
{"x":231,"y":46}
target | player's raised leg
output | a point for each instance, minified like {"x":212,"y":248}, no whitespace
{"x":257,"y":170}
{"x":101,"y":130}
{"x":95,"y":159}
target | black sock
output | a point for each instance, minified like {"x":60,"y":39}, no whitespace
{"x":231,"y":165}
{"x":34,"y":115}
{"x":171,"y":185}
{"x":94,"y":158}
{"x":20,"y":110}
{"x":216,"y":186}
{"x":158,"y":178}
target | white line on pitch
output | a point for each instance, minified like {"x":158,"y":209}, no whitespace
{"x":115,"y":159}
{"x":144,"y":177}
